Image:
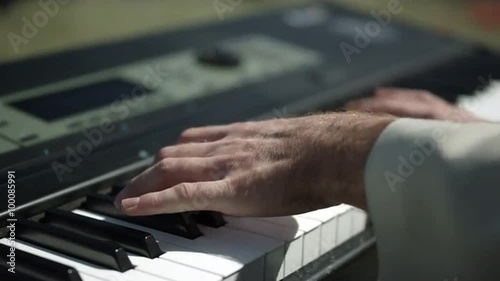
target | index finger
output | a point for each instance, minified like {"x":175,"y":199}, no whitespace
{"x":180,"y":198}
{"x":170,"y":172}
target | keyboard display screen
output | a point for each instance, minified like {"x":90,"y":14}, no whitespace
{"x":61,"y":104}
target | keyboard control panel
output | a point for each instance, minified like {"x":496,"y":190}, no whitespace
{"x":126,"y":91}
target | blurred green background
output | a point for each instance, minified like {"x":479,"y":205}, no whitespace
{"x":87,"y":22}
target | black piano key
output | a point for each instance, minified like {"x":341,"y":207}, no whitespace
{"x":17,"y":276}
{"x":182,"y":224}
{"x":104,"y":253}
{"x":209,"y":218}
{"x":115,"y":189}
{"x":134,"y":241}
{"x":37,"y":268}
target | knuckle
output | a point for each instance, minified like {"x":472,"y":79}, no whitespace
{"x":235,"y":162}
{"x":162,"y":153}
{"x":218,"y":148}
{"x":224,"y":143}
{"x":237,"y":125}
{"x":184,"y":191}
{"x":244,"y":157}
{"x":223,"y":160}
{"x":228,"y":187}
{"x":237,"y":142}
{"x":249,"y":124}
{"x":212,"y":172}
{"x":188,"y":133}
{"x":252,"y":158}
{"x":216,"y":174}
{"x":424,"y":94}
{"x":156,"y":200}
{"x":216,"y":168}
{"x":247,"y":145}
{"x":165,"y":165}
{"x":242,"y":126}
{"x":224,"y":164}
{"x":242,"y":145}
{"x":221,"y":147}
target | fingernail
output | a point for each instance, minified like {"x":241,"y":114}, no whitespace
{"x":130,"y":203}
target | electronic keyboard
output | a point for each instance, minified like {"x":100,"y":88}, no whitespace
{"x":75,"y":126}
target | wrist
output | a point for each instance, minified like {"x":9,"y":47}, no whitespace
{"x":359,"y":134}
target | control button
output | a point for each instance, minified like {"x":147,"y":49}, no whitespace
{"x":217,"y":56}
{"x":3,"y":123}
{"x":27,"y":137}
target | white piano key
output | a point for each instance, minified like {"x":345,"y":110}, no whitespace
{"x":312,"y":234}
{"x":84,"y":267}
{"x":223,"y":252}
{"x":359,"y":221}
{"x":194,"y":252}
{"x":218,"y":265}
{"x":175,"y":271}
{"x":86,"y":277}
{"x":291,"y":236}
{"x":329,"y":222}
{"x":344,"y":226}
{"x":272,"y":250}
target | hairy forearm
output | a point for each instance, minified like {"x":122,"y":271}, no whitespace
{"x":353,"y":136}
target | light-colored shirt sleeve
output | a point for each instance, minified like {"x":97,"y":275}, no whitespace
{"x":433,"y":191}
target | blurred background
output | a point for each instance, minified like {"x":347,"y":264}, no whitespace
{"x":80,"y":23}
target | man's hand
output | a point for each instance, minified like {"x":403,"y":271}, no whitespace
{"x":267,"y":168}
{"x":413,"y":104}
